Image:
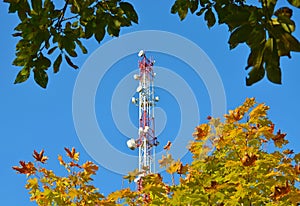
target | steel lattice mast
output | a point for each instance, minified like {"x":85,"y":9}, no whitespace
{"x":146,"y":141}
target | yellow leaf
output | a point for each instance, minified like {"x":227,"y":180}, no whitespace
{"x":72,"y":154}
{"x":174,"y":167}
{"x":32,"y":183}
{"x":73,"y":193}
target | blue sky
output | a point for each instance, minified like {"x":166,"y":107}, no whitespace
{"x":34,"y":118}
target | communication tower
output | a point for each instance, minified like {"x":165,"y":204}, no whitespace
{"x":146,"y":141}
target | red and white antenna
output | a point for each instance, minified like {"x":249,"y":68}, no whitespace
{"x":146,"y":141}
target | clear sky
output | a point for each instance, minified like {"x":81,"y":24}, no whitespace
{"x":34,"y":118}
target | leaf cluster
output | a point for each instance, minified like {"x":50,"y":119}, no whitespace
{"x":242,"y":160}
{"x":231,"y":165}
{"x":46,"y":30}
{"x":266,"y":31}
{"x":48,"y":188}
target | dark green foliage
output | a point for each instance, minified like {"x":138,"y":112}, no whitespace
{"x":268,"y":37}
{"x":45,"y":30}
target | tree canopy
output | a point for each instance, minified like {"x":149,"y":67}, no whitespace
{"x":242,"y":160}
{"x":48,"y":34}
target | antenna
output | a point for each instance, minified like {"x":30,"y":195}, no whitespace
{"x":146,"y":141}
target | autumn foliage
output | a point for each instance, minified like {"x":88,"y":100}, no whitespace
{"x":238,"y":161}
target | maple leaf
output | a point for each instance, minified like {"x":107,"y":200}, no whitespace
{"x":72,"y":154}
{"x":132,"y":175}
{"x":168,"y":145}
{"x":40,"y":156}
{"x":182,"y":169}
{"x":90,"y":167}
{"x":25,"y":168}
{"x":201,"y":132}
{"x":279,"y":139}
{"x":258,"y":112}
{"x":281,"y":191}
{"x":166,"y":160}
{"x":174,"y":167}
{"x":32,"y":183}
{"x":249,"y":160}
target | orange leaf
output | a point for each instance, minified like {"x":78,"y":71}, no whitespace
{"x":281,"y":191}
{"x":39,"y":156}
{"x":279,"y":139}
{"x":182,"y":169}
{"x":249,"y":160}
{"x":168,"y":146}
{"x":297,"y":169}
{"x":25,"y":168}
{"x":72,"y":164}
{"x":61,"y":161}
{"x":201,"y":132}
{"x":90,"y":167}
{"x":288,"y":152}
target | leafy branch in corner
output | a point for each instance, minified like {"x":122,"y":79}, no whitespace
{"x":47,"y":31}
{"x":266,"y":31}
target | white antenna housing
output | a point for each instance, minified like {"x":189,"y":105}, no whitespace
{"x":131,"y":144}
{"x":141,"y":53}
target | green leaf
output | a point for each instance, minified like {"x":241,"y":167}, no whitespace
{"x":202,"y":10}
{"x":256,"y":37}
{"x":101,"y":21}
{"x":256,"y":74}
{"x":22,"y":76}
{"x":36,"y":5}
{"x":70,"y":62}
{"x":69,"y":46}
{"x":49,"y":5}
{"x":204,"y":2}
{"x":76,"y":5}
{"x":255,"y":60}
{"x":129,"y":11}
{"x":273,"y":73}
{"x":99,"y":34}
{"x":285,"y":41}
{"x":113,"y":27}
{"x":272,"y":61}
{"x":17,"y":34}
{"x":83,"y":49}
{"x":295,"y":3}
{"x":240,"y":35}
{"x":72,"y":53}
{"x":180,"y":7}
{"x":287,"y":24}
{"x":90,"y":28}
{"x":210,"y":18}
{"x":43,"y":62}
{"x":50,"y":51}
{"x":57,"y":63}
{"x":194,"y":5}
{"x":40,"y":77}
